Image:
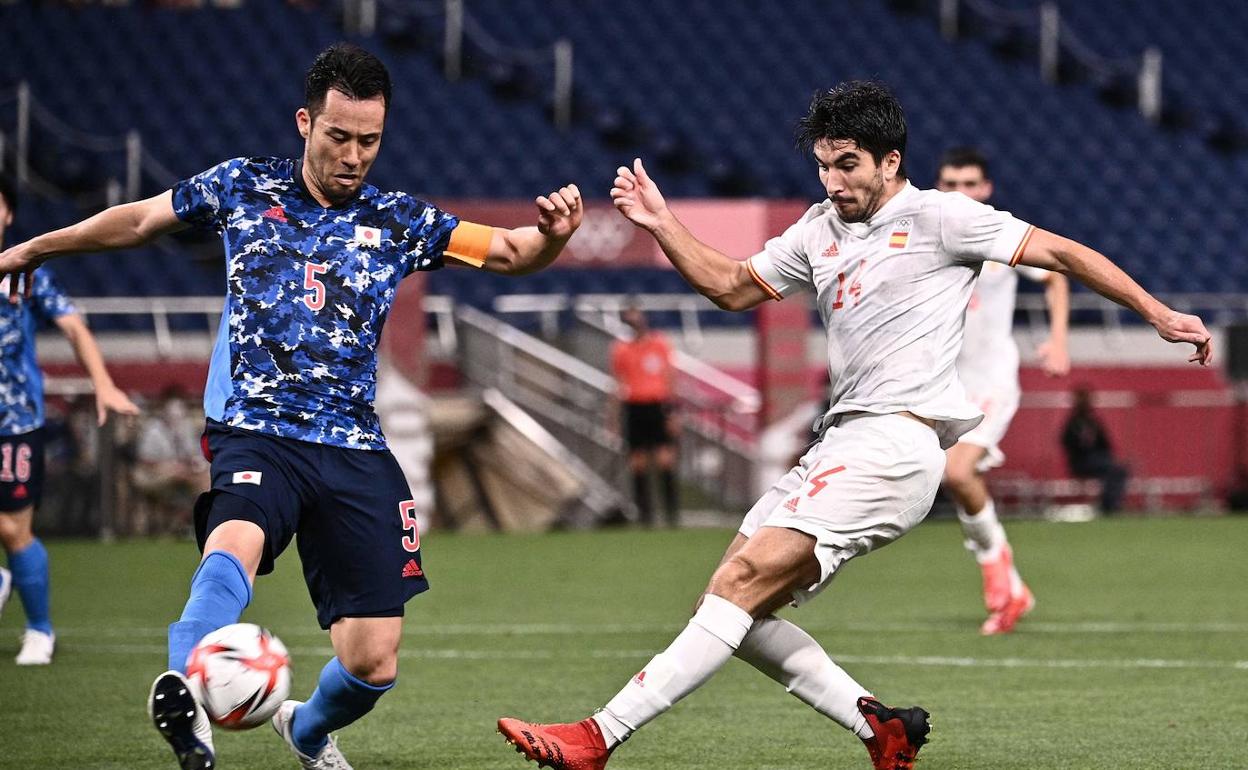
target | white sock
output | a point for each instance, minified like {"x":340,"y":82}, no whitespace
{"x":705,"y":645}
{"x":793,"y":658}
{"x":985,"y":537}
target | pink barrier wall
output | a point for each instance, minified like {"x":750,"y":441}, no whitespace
{"x":1164,"y":421}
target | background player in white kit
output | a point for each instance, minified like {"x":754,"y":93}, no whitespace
{"x":893,"y":268}
{"x":988,"y":368}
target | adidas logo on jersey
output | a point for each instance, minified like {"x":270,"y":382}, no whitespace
{"x":790,"y":505}
{"x":832,"y":251}
{"x":412,"y":569}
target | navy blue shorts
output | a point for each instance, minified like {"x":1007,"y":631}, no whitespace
{"x":21,"y":471}
{"x":351,"y":508}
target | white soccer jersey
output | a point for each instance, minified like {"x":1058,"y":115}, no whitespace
{"x":892,"y":293}
{"x":989,"y":357}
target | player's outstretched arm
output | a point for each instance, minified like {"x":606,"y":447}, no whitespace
{"x":525,"y":250}
{"x":118,"y":227}
{"x":714,"y":275}
{"x":108,"y":397}
{"x":1097,"y":272}
{"x":1054,"y":353}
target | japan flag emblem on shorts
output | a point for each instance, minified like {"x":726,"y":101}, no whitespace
{"x":247,"y":477}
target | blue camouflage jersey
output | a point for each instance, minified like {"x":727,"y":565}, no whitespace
{"x":309,"y":288}
{"x":21,"y":382}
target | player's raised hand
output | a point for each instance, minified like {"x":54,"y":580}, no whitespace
{"x":18,"y":266}
{"x":110,"y":398}
{"x":637,"y":196}
{"x":560,"y":213}
{"x":1054,"y":359}
{"x":1174,"y":326}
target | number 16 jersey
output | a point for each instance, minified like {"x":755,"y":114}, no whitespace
{"x":892,"y":293}
{"x":308,"y":292}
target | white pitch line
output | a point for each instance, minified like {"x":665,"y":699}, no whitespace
{"x":890,"y":660}
{"x":589,"y":629}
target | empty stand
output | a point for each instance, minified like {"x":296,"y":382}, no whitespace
{"x":709,"y":89}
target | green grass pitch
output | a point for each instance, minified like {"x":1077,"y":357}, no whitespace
{"x":1135,"y":657}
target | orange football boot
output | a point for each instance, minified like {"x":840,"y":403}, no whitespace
{"x":1003,"y":621}
{"x":998,"y":580}
{"x":577,"y":746}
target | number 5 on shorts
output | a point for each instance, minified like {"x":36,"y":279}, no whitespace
{"x":407,"y":513}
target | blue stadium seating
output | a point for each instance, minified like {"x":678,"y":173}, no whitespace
{"x":709,"y":89}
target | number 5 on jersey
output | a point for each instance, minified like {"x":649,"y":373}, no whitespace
{"x":315,"y":299}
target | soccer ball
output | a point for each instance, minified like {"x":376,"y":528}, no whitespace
{"x":241,"y":674}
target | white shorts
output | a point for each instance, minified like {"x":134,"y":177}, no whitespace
{"x":864,"y":484}
{"x":998,"y":409}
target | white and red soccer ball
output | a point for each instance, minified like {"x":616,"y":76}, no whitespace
{"x":241,"y":674}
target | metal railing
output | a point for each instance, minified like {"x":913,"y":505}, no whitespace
{"x":360,"y":18}
{"x":552,"y":309}
{"x":29,"y":114}
{"x":1215,"y":309}
{"x":159,"y":309}
{"x":1053,"y":36}
{"x":568,"y":397}
{"x":718,"y":414}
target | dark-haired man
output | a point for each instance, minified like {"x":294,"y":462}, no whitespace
{"x":893,"y":268}
{"x":988,"y":368}
{"x":314,"y":256}
{"x":21,"y":438}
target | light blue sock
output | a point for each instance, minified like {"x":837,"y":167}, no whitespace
{"x":220,"y":591}
{"x":339,"y":700}
{"x":30,"y":577}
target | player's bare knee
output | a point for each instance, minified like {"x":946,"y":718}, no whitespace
{"x":241,"y":539}
{"x":959,"y":476}
{"x":741,"y":581}
{"x":15,"y":532}
{"x":373,"y":667}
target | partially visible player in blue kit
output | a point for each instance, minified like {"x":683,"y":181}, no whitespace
{"x":314,"y":256}
{"x":21,"y":437}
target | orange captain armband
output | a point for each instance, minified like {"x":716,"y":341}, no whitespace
{"x":470,"y":243}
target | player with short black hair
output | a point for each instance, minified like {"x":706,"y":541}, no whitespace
{"x":314,"y":257}
{"x":22,"y":436}
{"x":892,"y":295}
{"x":956,"y":158}
{"x":865,"y":113}
{"x":349,"y":70}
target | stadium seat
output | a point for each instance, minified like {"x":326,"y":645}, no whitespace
{"x":712,"y":97}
